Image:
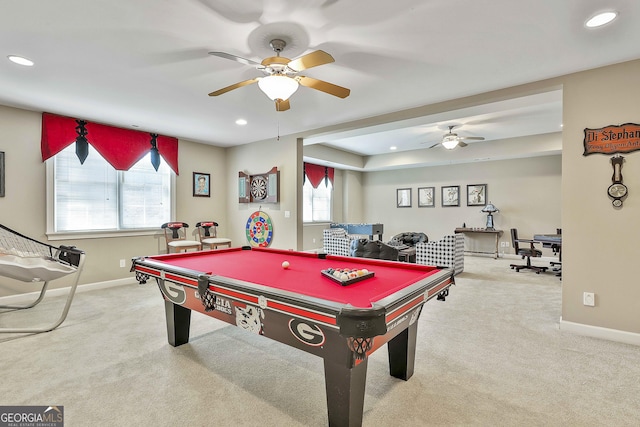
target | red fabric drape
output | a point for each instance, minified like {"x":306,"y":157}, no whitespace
{"x":317,"y":173}
{"x":122,"y":148}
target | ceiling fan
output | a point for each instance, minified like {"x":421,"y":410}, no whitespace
{"x":281,"y":78}
{"x":452,"y":140}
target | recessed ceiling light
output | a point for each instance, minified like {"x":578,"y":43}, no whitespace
{"x":601,"y":19}
{"x":393,"y":147}
{"x":241,"y":122}
{"x":20,"y":60}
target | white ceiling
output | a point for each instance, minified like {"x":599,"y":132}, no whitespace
{"x":144,"y":63}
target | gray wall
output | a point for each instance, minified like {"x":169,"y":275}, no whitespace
{"x":260,"y":157}
{"x":600,"y":254}
{"x":525,"y":190}
{"x":600,"y":242}
{"x":23,"y":208}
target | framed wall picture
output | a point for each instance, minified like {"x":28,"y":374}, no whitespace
{"x":451,"y":195}
{"x":426,"y":197}
{"x":403,"y":197}
{"x":477,"y":195}
{"x":201,"y":184}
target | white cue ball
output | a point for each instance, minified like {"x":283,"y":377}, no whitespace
{"x":285,"y":264}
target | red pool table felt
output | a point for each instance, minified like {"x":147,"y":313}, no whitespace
{"x":263,"y":266}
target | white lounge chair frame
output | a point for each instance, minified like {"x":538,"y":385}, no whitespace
{"x":28,"y":260}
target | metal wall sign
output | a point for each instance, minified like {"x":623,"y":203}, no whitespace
{"x":612,"y":139}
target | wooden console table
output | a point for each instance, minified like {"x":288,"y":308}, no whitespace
{"x":496,"y":233}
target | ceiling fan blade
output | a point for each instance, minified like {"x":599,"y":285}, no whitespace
{"x":330,"y":88}
{"x":235,"y":58}
{"x":435,"y":145}
{"x":313,"y":59}
{"x":232,"y":87}
{"x":462,"y":144}
{"x":282,"y":105}
{"x":471,"y":138}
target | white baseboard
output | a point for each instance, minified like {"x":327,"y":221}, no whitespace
{"x":30,"y":296}
{"x":599,"y":332}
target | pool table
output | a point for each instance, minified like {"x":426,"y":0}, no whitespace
{"x":303,"y":308}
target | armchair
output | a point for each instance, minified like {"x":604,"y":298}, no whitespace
{"x":407,"y":239}
{"x":366,"y":248}
{"x":447,"y":252}
{"x":336,"y":241}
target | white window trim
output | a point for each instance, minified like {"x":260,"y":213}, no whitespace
{"x":66,"y":235}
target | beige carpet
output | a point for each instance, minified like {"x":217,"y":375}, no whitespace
{"x":491,"y":355}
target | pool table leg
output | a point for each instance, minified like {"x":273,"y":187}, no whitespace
{"x":345,"y":393}
{"x":402,"y":353}
{"x":178,"y":323}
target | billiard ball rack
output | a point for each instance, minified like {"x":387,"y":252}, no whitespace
{"x":329,"y":274}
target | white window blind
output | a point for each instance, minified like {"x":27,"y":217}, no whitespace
{"x":95,"y":197}
{"x":317,"y":202}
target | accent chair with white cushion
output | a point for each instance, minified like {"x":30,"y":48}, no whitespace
{"x":176,"y":236}
{"x":447,"y":252}
{"x":208,"y":235}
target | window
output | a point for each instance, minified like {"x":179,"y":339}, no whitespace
{"x":95,"y":197}
{"x":317,"y":201}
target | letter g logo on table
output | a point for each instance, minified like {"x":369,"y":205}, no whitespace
{"x":174,"y":292}
{"x":309,"y":334}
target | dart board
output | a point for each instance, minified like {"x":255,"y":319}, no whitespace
{"x":259,"y":229}
{"x":258,"y":188}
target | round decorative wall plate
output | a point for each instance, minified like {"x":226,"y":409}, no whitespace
{"x":259,"y":229}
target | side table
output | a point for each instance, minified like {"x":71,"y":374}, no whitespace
{"x":496,"y":233}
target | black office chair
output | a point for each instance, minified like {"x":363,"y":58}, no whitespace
{"x":527,"y":253}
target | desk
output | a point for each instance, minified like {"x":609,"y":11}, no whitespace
{"x":496,"y":233}
{"x":549,"y":241}
{"x":298,"y":306}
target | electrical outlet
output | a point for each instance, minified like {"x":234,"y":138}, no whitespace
{"x":589,"y":299}
{"x":506,"y":244}
{"x":314,"y":240}
{"x":122,"y":263}
{"x":502,"y":244}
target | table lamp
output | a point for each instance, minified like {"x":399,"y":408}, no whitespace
{"x":490,"y":209}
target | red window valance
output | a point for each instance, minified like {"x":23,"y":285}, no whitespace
{"x":317,"y":173}
{"x":122,"y":148}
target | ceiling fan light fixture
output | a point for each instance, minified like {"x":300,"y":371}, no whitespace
{"x":278,"y":86}
{"x":450,"y":141}
{"x":450,"y":144}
